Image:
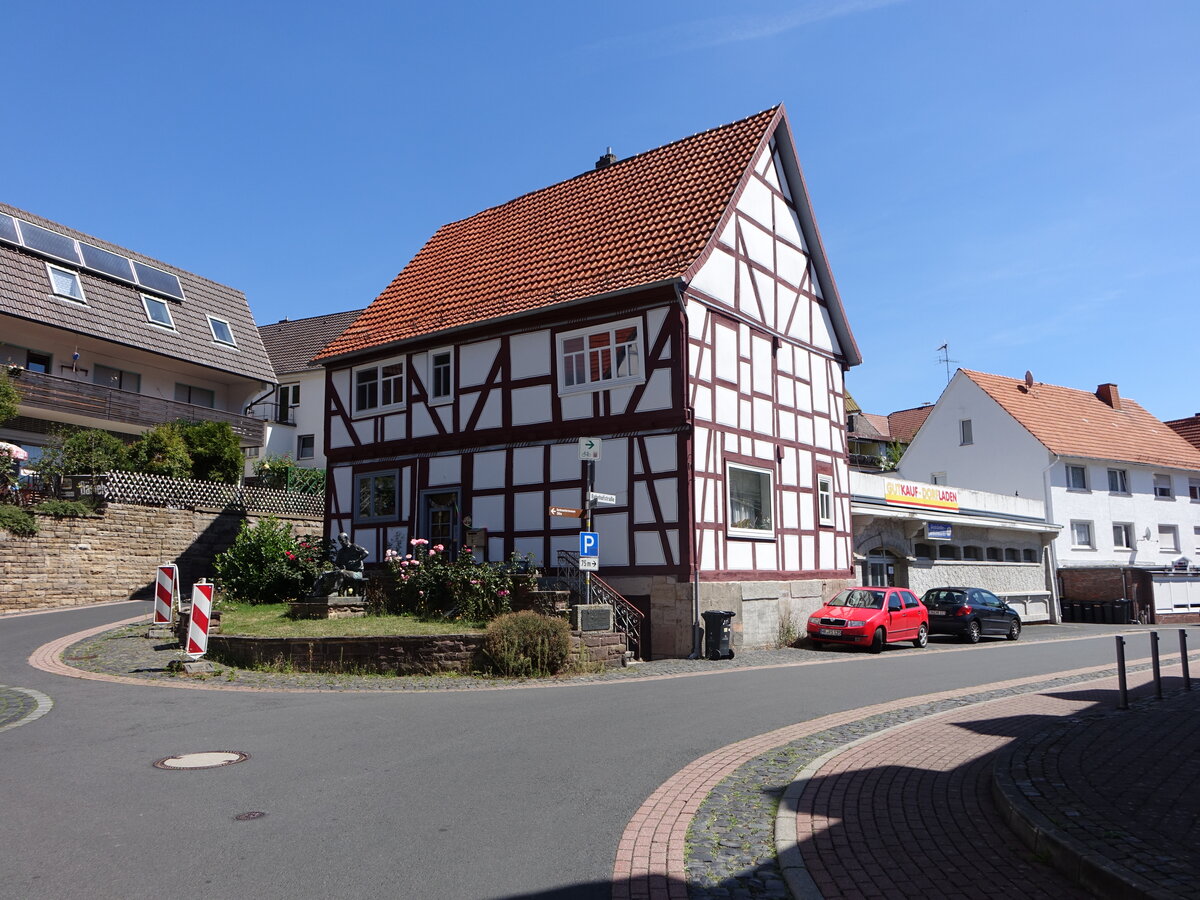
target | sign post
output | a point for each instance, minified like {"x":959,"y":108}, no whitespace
{"x":589,"y":453}
{"x":196,"y":644}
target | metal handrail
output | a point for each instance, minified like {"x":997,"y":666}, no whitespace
{"x":627,"y":618}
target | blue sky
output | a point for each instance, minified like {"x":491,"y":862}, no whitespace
{"x":1016,"y":179}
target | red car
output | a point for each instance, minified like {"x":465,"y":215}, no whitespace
{"x":871,"y":617}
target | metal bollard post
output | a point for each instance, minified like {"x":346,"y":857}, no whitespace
{"x":1157,"y":668}
{"x":1183,"y":660}
{"x":1123,"y":687}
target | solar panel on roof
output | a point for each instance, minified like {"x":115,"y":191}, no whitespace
{"x":49,"y":242}
{"x":8,"y":230}
{"x":158,"y":280}
{"x":106,"y":262}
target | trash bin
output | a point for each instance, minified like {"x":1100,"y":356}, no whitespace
{"x":717,"y":633}
{"x":1121,"y":611}
{"x":1106,"y":610}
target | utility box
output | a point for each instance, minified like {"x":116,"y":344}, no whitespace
{"x":592,"y":617}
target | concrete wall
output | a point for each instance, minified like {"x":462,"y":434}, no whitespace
{"x":75,"y":562}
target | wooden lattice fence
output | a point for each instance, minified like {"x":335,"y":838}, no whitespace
{"x":180,"y":493}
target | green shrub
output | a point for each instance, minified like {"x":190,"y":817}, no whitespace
{"x":215,"y":450}
{"x":161,"y":451}
{"x":65,"y":509}
{"x":10,"y":400}
{"x":526,"y":644}
{"x":17,"y":521}
{"x":268,"y":564}
{"x":430,"y":583}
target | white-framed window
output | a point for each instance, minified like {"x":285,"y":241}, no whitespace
{"x":1194,"y":489}
{"x":379,"y":387}
{"x":1168,"y":538}
{"x":825,"y":499}
{"x":1123,"y":535}
{"x":441,"y":375}
{"x":158,"y":312}
{"x":1118,"y":481}
{"x":600,"y":357}
{"x":750,"y":497}
{"x":288,"y":400}
{"x":376,"y":496}
{"x":1163,"y":488}
{"x":65,"y":283}
{"x":1081,"y":535}
{"x":306,"y":445}
{"x":222,"y":331}
{"x":196,"y":396}
{"x":1077,"y":478}
{"x":965,"y":432}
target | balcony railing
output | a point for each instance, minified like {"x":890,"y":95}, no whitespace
{"x":106,"y":404}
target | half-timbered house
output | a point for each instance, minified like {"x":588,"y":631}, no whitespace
{"x":676,"y":305}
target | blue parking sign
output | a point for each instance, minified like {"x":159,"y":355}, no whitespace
{"x":589,"y":543}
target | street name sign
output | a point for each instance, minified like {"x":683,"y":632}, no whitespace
{"x":589,"y":449}
{"x":566,"y":512}
{"x":597,"y":497}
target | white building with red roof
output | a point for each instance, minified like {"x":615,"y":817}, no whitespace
{"x":1124,"y":486}
{"x":678,"y":306}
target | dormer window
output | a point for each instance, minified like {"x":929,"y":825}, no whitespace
{"x":65,"y":283}
{"x":221,"y":331}
{"x":158,"y":312}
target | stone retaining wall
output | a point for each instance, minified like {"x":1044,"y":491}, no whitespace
{"x":399,"y":655}
{"x":75,"y":562}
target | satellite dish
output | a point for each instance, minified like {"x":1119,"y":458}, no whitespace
{"x":1028,"y":379}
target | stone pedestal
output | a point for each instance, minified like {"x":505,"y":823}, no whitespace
{"x":332,"y":607}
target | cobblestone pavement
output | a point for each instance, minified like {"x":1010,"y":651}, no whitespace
{"x":21,"y":705}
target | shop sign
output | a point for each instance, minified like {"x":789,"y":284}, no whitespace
{"x":922,"y":496}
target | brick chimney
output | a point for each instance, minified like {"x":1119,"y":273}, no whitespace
{"x":1109,"y":394}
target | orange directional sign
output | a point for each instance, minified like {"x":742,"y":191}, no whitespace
{"x":566,"y":512}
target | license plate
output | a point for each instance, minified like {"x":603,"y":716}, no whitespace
{"x":832,"y":632}
{"x":937,"y":612}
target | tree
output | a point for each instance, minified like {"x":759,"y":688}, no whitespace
{"x":9,"y":398}
{"x":215,"y":450}
{"x":161,"y":451}
{"x":82,"y":451}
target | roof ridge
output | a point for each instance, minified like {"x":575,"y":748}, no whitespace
{"x":620,"y":162}
{"x":290,"y":321}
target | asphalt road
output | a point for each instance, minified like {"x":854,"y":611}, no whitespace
{"x":473,"y":794}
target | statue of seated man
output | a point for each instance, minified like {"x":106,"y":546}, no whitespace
{"x":347,"y":572}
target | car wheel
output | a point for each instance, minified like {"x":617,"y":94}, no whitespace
{"x":878,"y":641}
{"x":974,"y":632}
{"x":1014,"y":630}
{"x":922,"y":637}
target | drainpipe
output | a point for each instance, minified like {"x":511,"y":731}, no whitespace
{"x":1055,"y":599}
{"x":696,"y":647}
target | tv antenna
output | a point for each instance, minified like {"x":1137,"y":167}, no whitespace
{"x":946,"y":360}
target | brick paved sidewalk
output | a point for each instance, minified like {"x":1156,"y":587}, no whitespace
{"x":1109,"y":798}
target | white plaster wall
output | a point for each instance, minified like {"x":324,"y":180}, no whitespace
{"x":1004,"y":458}
{"x":530,"y":354}
{"x":475,"y":361}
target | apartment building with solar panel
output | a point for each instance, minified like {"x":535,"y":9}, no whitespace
{"x":99,"y":336}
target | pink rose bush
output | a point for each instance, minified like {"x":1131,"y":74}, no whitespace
{"x":433,"y":582}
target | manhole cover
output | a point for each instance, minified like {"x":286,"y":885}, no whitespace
{"x":209,"y":759}
{"x":247,"y":816}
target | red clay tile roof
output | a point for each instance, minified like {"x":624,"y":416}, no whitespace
{"x":1188,"y":429}
{"x":873,"y":425}
{"x":905,"y":423}
{"x":292,"y":343}
{"x":1070,"y":422}
{"x":640,"y":221}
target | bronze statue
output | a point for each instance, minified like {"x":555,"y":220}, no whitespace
{"x":347,"y":572}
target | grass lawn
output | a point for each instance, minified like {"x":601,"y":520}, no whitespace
{"x":269,"y":620}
